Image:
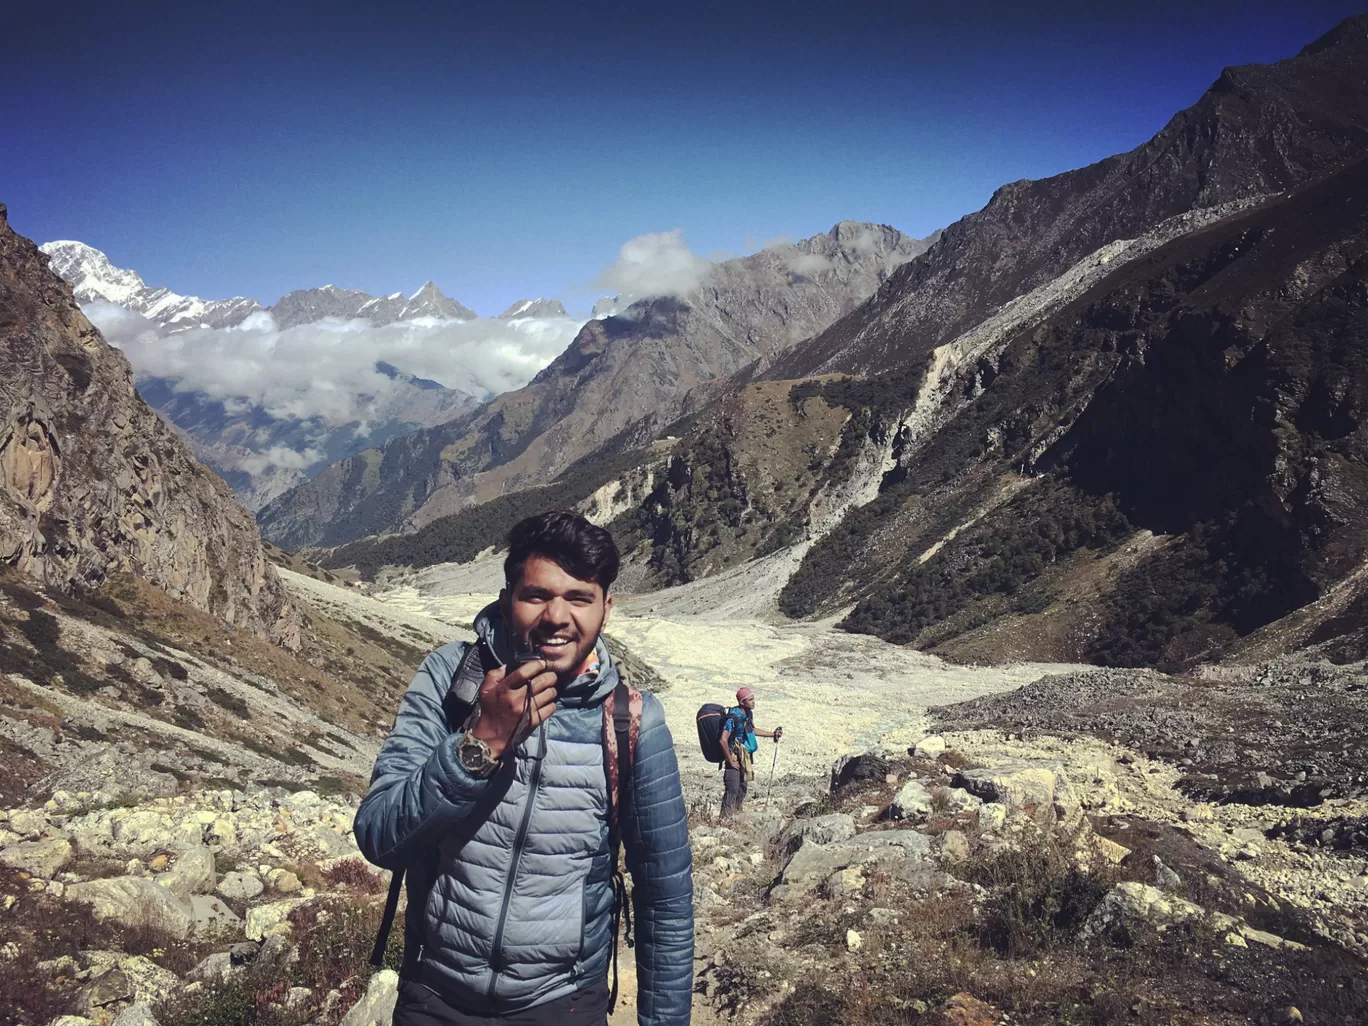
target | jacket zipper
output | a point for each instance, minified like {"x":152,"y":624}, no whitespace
{"x":519,"y":842}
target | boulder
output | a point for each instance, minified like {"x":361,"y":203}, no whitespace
{"x":271,"y":920}
{"x":135,"y":901}
{"x":921,"y":877}
{"x":191,"y":872}
{"x":992,"y":817}
{"x":72,"y":1020}
{"x":135,"y":978}
{"x":144,"y":829}
{"x":284,"y":881}
{"x":1109,"y":850}
{"x":929,"y":747}
{"x":139,"y":1013}
{"x":758,"y":821}
{"x":215,"y":967}
{"x":237,"y":886}
{"x":376,"y":1007}
{"x":27,"y":823}
{"x":849,"y":769}
{"x":837,"y":827}
{"x":38,"y":858}
{"x":213,"y":919}
{"x":913,"y":801}
{"x":845,"y":883}
{"x":961,"y":800}
{"x":150,"y":982}
{"x":105,"y":989}
{"x":812,"y":864}
{"x":1040,"y":790}
{"x":908,"y":842}
{"x":1129,"y":904}
{"x":954,"y":846}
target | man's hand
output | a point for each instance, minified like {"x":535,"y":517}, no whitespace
{"x":778,"y":733}
{"x":504,"y":697}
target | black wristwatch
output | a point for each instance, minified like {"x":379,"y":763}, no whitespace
{"x":474,"y":755}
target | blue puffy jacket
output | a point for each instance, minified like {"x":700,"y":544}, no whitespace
{"x":509,"y":891}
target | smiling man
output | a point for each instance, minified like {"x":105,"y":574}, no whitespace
{"x":505,"y":808}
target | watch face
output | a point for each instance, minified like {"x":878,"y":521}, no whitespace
{"x":474,"y":756}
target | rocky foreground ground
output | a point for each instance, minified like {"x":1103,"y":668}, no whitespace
{"x":978,"y":878}
{"x":1055,"y":846}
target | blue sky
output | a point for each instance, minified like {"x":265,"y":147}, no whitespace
{"x":508,"y":150}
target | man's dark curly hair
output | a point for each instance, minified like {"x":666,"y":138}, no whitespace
{"x":566,"y":538}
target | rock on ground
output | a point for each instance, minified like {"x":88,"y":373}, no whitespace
{"x":376,"y":1007}
{"x":38,"y":858}
{"x":134,"y":901}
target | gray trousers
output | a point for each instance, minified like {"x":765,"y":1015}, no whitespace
{"x":735,"y":785}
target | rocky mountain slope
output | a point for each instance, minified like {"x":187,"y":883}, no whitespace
{"x":1259,"y":130}
{"x":93,"y":483}
{"x":262,"y":456}
{"x":1150,"y":475}
{"x":635,"y":371}
{"x":1154,"y":457}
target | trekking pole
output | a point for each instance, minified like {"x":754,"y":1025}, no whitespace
{"x":773,"y":763}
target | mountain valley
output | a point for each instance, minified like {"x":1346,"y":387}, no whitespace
{"x":1006,"y":492}
{"x":1045,"y":538}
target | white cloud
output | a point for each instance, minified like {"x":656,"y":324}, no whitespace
{"x":659,"y":264}
{"x":327,"y":369}
{"x":807,"y":263}
{"x":280,"y":457}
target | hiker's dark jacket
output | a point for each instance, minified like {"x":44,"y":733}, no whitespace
{"x":509,"y":890}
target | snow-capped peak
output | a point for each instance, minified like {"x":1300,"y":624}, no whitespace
{"x":94,"y":277}
{"x":538,"y":307}
{"x":91,"y":273}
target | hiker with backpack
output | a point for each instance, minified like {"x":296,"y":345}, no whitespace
{"x":516,"y":768}
{"x":738,"y":745}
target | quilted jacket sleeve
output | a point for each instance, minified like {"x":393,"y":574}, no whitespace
{"x":418,"y":788}
{"x":657,"y":842}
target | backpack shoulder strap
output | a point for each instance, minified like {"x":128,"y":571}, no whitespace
{"x":477,"y":660}
{"x":621,"y":728}
{"x":464,"y":691}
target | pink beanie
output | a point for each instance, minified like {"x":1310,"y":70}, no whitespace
{"x":744,"y":693}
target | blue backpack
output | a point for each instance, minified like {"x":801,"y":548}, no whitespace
{"x":738,"y":724}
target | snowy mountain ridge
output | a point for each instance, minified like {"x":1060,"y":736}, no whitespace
{"x":96,"y":278}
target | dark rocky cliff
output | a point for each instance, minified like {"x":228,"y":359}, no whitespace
{"x":1170,"y":463}
{"x":92,"y":482}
